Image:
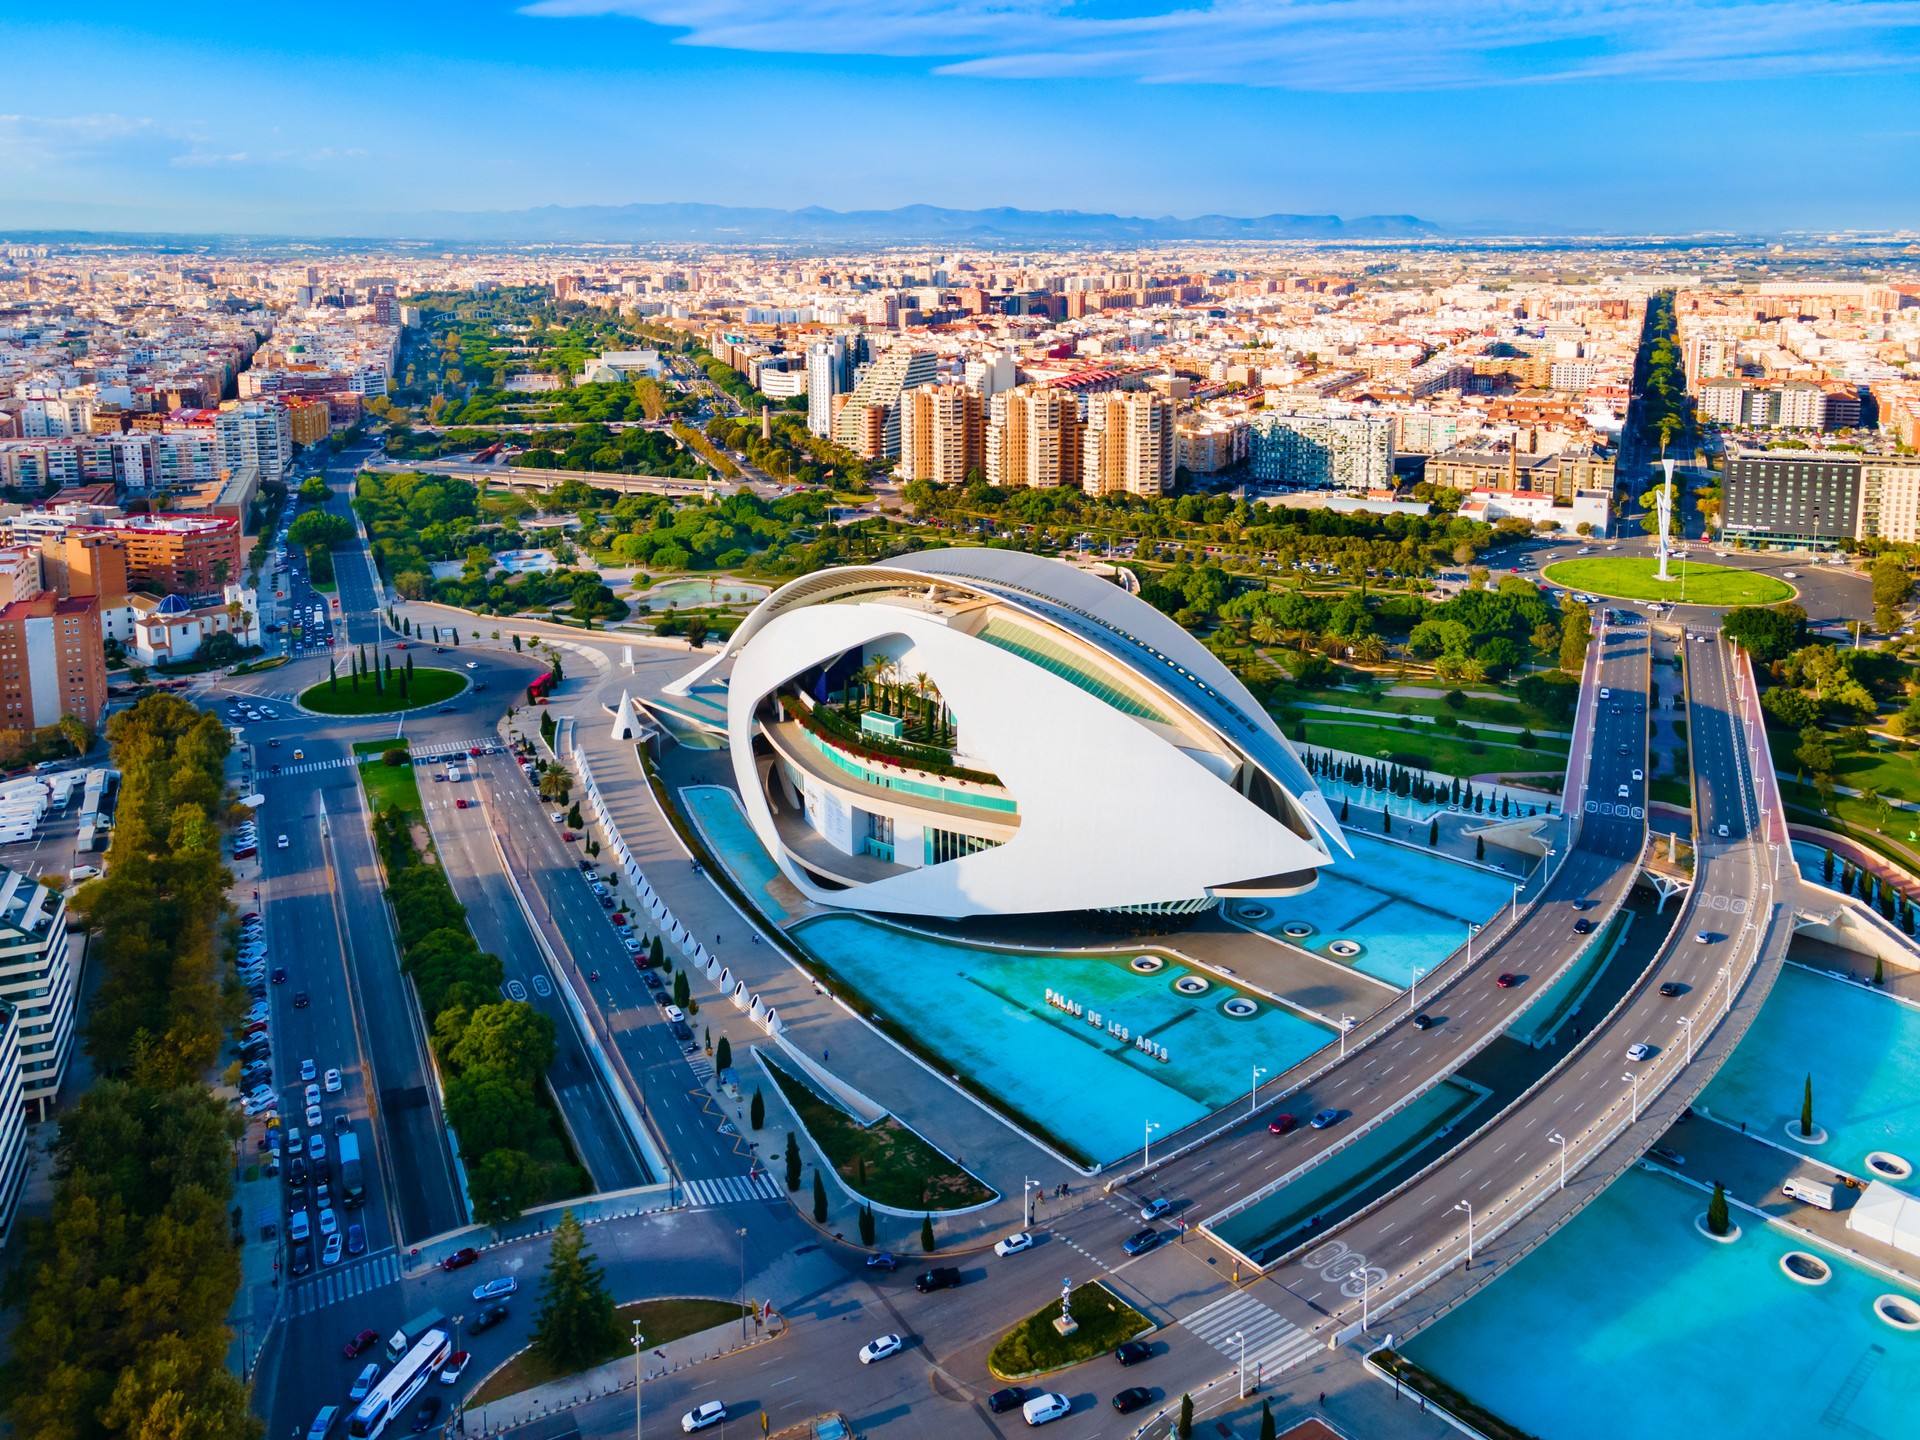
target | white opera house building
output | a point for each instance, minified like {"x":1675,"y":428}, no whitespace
{"x":977,"y":732}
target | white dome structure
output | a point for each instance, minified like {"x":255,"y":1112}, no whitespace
{"x":968,"y":732}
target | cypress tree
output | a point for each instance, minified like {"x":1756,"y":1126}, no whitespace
{"x":793,"y":1163}
{"x":926,"y":1233}
{"x":1433,"y":831}
{"x":866,"y":1226}
{"x":1184,"y":1427}
{"x":723,"y":1055}
{"x":682,"y":992}
{"x":757,"y":1111}
{"x":657,"y":952}
{"x":1479,"y":847}
{"x":819,"y":1199}
{"x":1718,"y":1221}
{"x":1806,"y":1109}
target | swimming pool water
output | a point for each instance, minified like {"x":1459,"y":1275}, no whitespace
{"x":684,"y":593}
{"x":723,"y":825}
{"x":1629,"y":1323}
{"x":1863,"y":1051}
{"x":985,"y":1013}
{"x":1405,"y":907}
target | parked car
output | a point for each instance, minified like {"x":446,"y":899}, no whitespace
{"x":1045,"y":1407}
{"x":496,"y":1289}
{"x":1001,"y":1401}
{"x":460,"y":1258}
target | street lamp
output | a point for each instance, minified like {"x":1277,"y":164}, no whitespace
{"x":1558,"y":1139}
{"x":638,"y":1411}
{"x":1346,"y":1024}
{"x":1471,"y":929}
{"x":1253,"y":1096}
{"x":1367,"y":1287}
{"x":1687,"y":1020}
{"x":1466,"y":1206}
{"x":1027,"y":1187}
{"x":1632,"y":1077}
{"x":1413,"y":990}
{"x":1147,"y":1144}
{"x":1241,"y":1336}
{"x":742,"y":1233}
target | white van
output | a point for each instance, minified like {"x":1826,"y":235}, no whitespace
{"x":1816,"y":1193}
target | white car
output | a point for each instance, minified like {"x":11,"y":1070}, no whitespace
{"x":1639,"y":1052}
{"x":1638,"y":776}
{"x":1042,"y":1408}
{"x":364,"y":1382}
{"x":332,"y":1082}
{"x":880,"y":1349}
{"x":313,"y":1094}
{"x":559,"y":817}
{"x":329,"y":1222}
{"x":703,"y":1416}
{"x":307,"y":1070}
{"x":1014,"y":1244}
{"x":314,"y":1117}
{"x":473,"y":664}
{"x":281,"y":843}
{"x":330,"y":1253}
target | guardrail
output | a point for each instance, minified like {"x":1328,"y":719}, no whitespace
{"x":1667,"y":1069}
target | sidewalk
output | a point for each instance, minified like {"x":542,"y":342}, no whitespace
{"x":615,"y":1377}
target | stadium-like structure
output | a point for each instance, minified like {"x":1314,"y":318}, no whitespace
{"x":968,"y":732}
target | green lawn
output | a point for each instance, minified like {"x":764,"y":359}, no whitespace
{"x":389,"y":784}
{"x":429,"y":686}
{"x":1034,"y":1347}
{"x":1631,"y":577}
{"x":1434,"y":749}
{"x":886,"y":1161}
{"x":660,"y":1321}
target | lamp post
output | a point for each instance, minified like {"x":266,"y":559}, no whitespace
{"x":1472,"y":929}
{"x":1027,"y":1187}
{"x":1726,"y":979}
{"x":1253,"y":1096}
{"x":1146,"y":1145}
{"x":1413,"y":990}
{"x":1687,"y":1020}
{"x":1467,"y":1206}
{"x":1367,"y":1288}
{"x":1241,"y":1336}
{"x":742,"y":1233}
{"x":1346,"y":1024}
{"x":639,"y":1411}
{"x":1558,"y":1139}
{"x":1633,"y":1079}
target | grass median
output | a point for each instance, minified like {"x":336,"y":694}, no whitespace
{"x":389,"y":784}
{"x":885,"y":1162}
{"x":340,"y":696}
{"x":1034,"y":1347}
{"x":661,"y":1321}
{"x":1631,"y":577}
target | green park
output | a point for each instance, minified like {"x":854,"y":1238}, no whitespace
{"x":1633,"y":577}
{"x":391,"y":691}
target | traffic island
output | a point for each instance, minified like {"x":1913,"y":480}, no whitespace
{"x":397,"y":693}
{"x":1634,"y":577}
{"x":1036,"y":1345}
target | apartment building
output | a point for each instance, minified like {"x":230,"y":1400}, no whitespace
{"x":880,"y":387}
{"x":1322,"y":452}
{"x":1033,"y":437}
{"x":1562,"y":473}
{"x":174,"y":554}
{"x":1128,"y":445}
{"x":1790,"y":405}
{"x":13,"y":1123}
{"x":52,"y":661}
{"x":37,"y":982}
{"x":943,"y":434}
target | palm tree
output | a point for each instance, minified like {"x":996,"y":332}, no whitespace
{"x":923,"y":682}
{"x":1265,"y":632}
{"x":1370,"y":649}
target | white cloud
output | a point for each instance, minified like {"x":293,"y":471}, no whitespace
{"x":1311,"y":44}
{"x":28,"y":142}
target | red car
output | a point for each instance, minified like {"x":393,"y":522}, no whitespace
{"x":475,"y":752}
{"x":460,"y":804}
{"x":460,"y":1258}
{"x":1507,"y":982}
{"x":1281,"y":1124}
{"x":359,"y":1345}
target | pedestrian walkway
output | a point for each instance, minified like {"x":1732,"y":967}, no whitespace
{"x":344,"y":1282}
{"x":733,"y":1190}
{"x":1238,"y":1325}
{"x":311,"y":767}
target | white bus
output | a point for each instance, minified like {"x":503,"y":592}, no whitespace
{"x":400,"y":1384}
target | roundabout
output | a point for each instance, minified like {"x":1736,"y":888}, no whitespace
{"x":428,"y":686}
{"x":1632,"y":577}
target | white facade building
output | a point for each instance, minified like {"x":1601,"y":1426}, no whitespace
{"x":37,"y":979}
{"x":985,"y":732}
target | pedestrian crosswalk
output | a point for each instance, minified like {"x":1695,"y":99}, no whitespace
{"x":732,"y":1190}
{"x":309,"y":767}
{"x":437,"y":748}
{"x":343,"y":1282}
{"x":702,"y":1067}
{"x":1272,"y":1342}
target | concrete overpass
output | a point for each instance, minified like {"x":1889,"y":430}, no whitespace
{"x":511,"y":477}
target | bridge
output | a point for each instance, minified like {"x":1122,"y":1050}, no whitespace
{"x":513,"y":477}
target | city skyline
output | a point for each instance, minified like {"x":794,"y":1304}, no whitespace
{"x":1586,"y":119}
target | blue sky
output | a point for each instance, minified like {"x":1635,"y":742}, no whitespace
{"x":1623,"y":115}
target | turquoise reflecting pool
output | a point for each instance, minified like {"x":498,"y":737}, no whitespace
{"x":985,"y":1013}
{"x":1863,"y":1051}
{"x":1629,"y":1323}
{"x":685,"y":593}
{"x":1406,"y":909}
{"x":723,"y":825}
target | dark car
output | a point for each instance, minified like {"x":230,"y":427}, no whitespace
{"x":1671,"y":988}
{"x":1141,"y":1241}
{"x":297,"y":1173}
{"x":682,"y":1033}
{"x":1324,"y":1118}
{"x":1423,"y":1021}
{"x":460,"y":1258}
{"x":1507,"y":982}
{"x":359,"y":1344}
{"x":486,"y":1319}
{"x":428,"y":1412}
{"x":882,"y":1261}
{"x":279,"y":974}
{"x":299,"y":999}
{"x":1132,"y":1398}
{"x":943,"y":1277}
{"x":1132,"y":1352}
{"x":302,"y":1257}
{"x":1011,"y":1398}
{"x":1281,"y":1124}
{"x":1583,"y":926}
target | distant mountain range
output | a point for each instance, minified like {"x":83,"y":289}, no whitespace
{"x":724,"y":224}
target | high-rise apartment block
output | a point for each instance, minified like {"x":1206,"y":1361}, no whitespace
{"x":899,"y":370}
{"x":943,"y":434}
{"x":52,"y":661}
{"x":1806,"y":496}
{"x":13,"y":1122}
{"x":37,"y":981}
{"x":1129,"y":445}
{"x":1033,"y":437}
{"x":1322,"y":452}
{"x":826,"y":378}
{"x":1790,"y":405}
